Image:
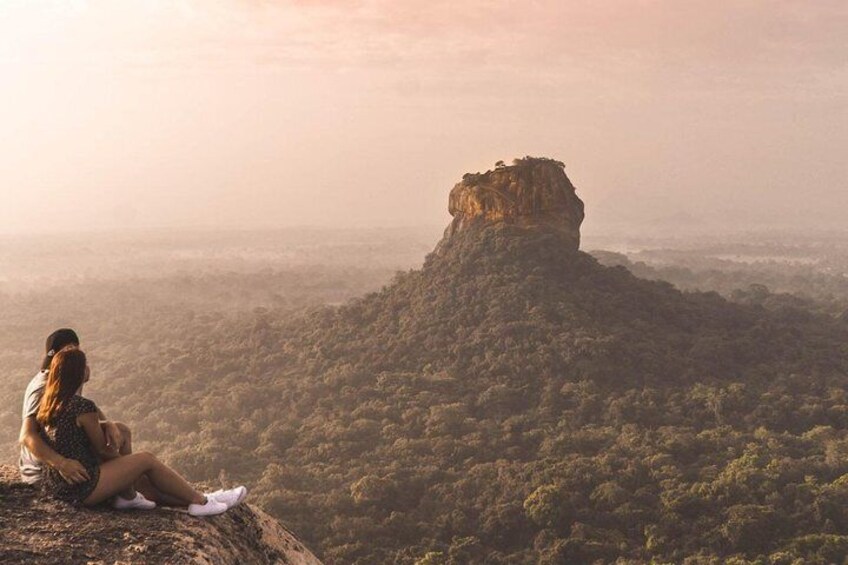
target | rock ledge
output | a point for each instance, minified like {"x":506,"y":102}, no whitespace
{"x":38,"y":530}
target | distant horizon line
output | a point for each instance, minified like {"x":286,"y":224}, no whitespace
{"x":210,"y":229}
{"x":606,"y":229}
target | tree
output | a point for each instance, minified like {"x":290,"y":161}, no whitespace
{"x":548,"y":508}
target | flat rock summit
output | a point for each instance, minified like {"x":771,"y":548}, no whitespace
{"x":532,"y":193}
{"x":38,"y":530}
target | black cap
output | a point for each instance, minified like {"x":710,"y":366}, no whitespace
{"x":55,"y":342}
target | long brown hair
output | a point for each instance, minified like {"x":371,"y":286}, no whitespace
{"x":67,"y":373}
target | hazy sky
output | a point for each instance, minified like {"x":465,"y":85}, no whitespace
{"x":331,"y":112}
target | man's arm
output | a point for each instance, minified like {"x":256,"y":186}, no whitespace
{"x":70,"y":469}
{"x":113,"y":435}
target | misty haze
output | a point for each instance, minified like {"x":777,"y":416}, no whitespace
{"x":432,"y":283}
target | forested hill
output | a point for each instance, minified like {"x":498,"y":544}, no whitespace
{"x":518,"y":301}
{"x":514,"y":401}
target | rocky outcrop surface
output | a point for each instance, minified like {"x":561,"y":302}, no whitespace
{"x":37,"y":530}
{"x":532,"y":193}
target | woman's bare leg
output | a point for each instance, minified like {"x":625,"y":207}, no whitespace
{"x":150,"y":492}
{"x":118,"y":474}
{"x":125,"y":449}
{"x":172,"y":484}
{"x":143,"y":484}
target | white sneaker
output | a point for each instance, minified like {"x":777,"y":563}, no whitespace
{"x":137,"y":503}
{"x":211,"y":508}
{"x":231,"y":497}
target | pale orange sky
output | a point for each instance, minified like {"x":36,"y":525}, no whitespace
{"x":364,"y":113}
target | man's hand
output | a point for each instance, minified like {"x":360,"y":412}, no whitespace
{"x":71,"y":470}
{"x":113,"y":435}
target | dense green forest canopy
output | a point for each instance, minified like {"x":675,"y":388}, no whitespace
{"x":508,"y":403}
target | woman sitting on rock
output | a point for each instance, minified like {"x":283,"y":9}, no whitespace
{"x":69,"y":424}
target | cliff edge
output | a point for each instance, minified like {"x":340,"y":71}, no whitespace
{"x":38,"y":530}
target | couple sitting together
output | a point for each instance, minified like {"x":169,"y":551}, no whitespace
{"x":77,"y":455}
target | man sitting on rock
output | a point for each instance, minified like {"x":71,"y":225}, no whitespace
{"x":35,"y":452}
